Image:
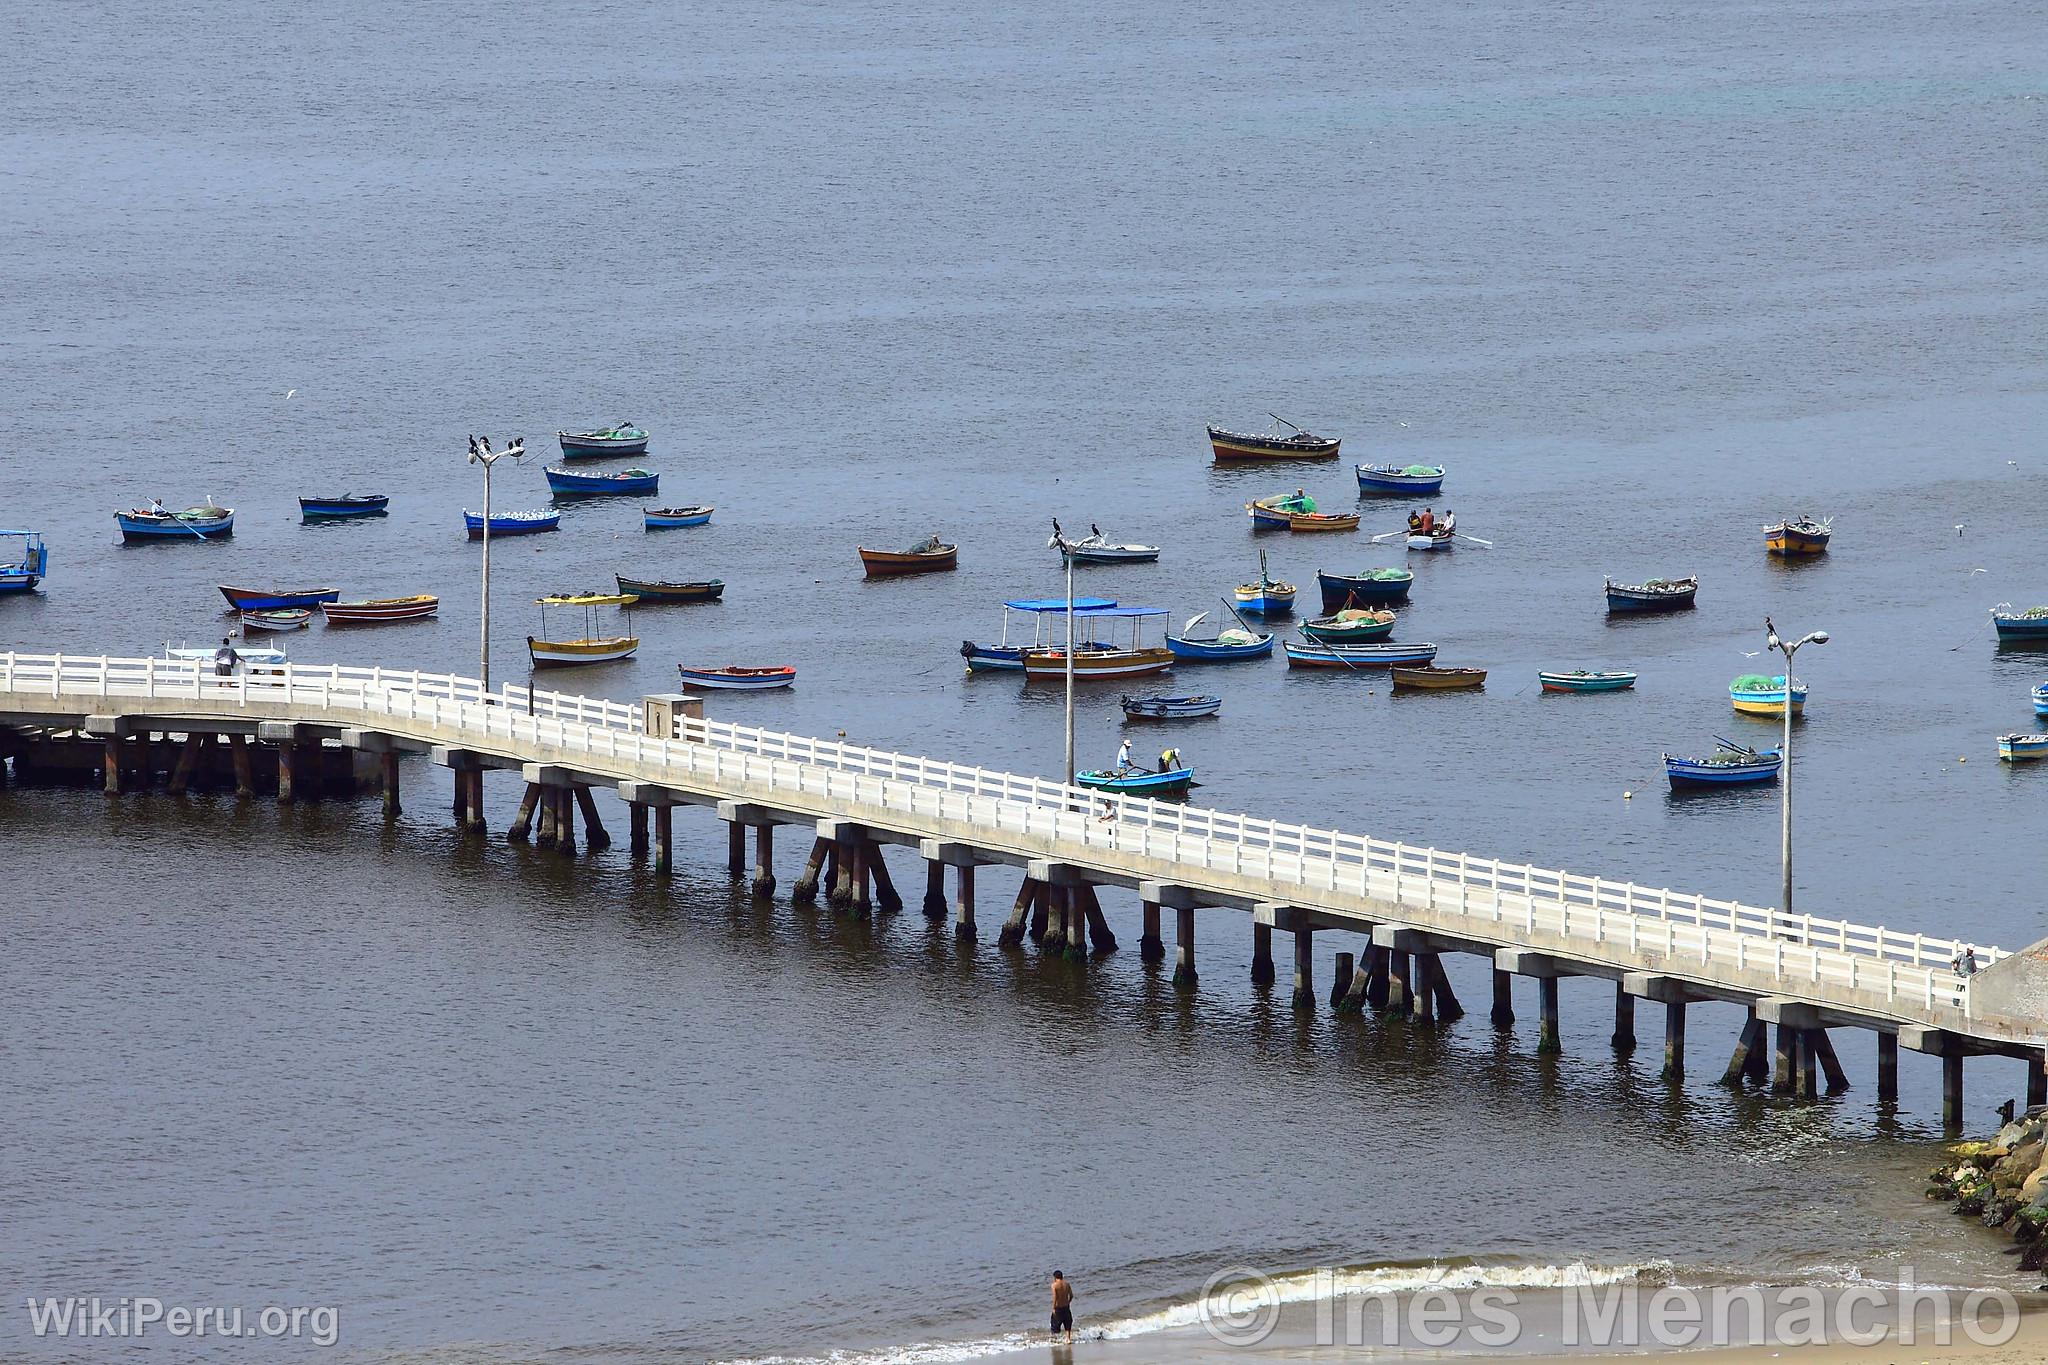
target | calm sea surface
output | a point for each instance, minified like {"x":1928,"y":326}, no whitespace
{"x":1642,"y":276}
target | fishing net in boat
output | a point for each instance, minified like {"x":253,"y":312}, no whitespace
{"x":1386,"y":575}
{"x":1420,"y":469}
{"x":1756,"y":682}
{"x":2030,"y":614}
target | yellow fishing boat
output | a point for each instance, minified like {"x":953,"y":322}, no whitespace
{"x":592,"y":648}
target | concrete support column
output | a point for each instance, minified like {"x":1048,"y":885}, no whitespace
{"x":1358,"y":987}
{"x":2037,"y":1080}
{"x":860,"y":853}
{"x":1887,"y":1068}
{"x":662,"y":824}
{"x":1304,"y":968}
{"x":1448,"y":1010}
{"x":1340,"y":980}
{"x":1101,"y":941}
{"x":1422,"y":1005}
{"x":963,"y":903}
{"x":545,"y":838}
{"x":1053,"y":937}
{"x":934,"y":889}
{"x":188,"y":758}
{"x":1830,"y":1064}
{"x":840,"y":865}
{"x":1041,"y":910}
{"x":636,"y":827}
{"x":388,"y":766}
{"x":1262,"y":955}
{"x":735,"y":849}
{"x":1184,"y":946}
{"x":1151,"y":948}
{"x":1012,"y":933}
{"x":1785,"y":1061}
{"x":1624,"y":1039}
{"x":1378,"y":976}
{"x":1952,"y":1094}
{"x":1399,"y":991}
{"x":878,"y":873}
{"x":522,"y":823}
{"x":475,"y":823}
{"x":287,"y":762}
{"x":1077,"y":924}
{"x":593,"y":825}
{"x":1674,"y":1041}
{"x":1809,"y":1063}
{"x":245,"y":775}
{"x":764,"y":861}
{"x":805,"y":892}
{"x":1549,"y":1037}
{"x":565,"y":821}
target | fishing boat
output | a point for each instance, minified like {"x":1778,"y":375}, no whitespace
{"x":1730,"y":765}
{"x":1439,"y":539}
{"x":1349,"y":626}
{"x":1584,"y":680}
{"x":622,"y":439}
{"x":271,"y":599}
{"x":567,"y":483}
{"x":1099,"y":549}
{"x":1137,"y":781}
{"x":1267,"y":597}
{"x":1224,"y":645}
{"x":377,"y":610}
{"x":1374,"y":586}
{"x":1099,"y":659}
{"x":1296,"y":511}
{"x":590,"y":648}
{"x":1293,"y":444}
{"x":667,"y":518}
{"x":1394,"y":478}
{"x":1753,"y":694}
{"x":2041,"y":699}
{"x":288,"y":618}
{"x":1434,"y":679}
{"x":511,"y":523}
{"x":1004,"y":656}
{"x":22,"y":566}
{"x":1171,"y":708}
{"x":1355,"y":656}
{"x":157,"y":522}
{"x":345,"y":507}
{"x":930,"y":555}
{"x":737,"y":679}
{"x":2012,"y":624}
{"x":1799,"y":536}
{"x":1654,"y":594}
{"x":654,"y":592}
{"x":2018,"y":748}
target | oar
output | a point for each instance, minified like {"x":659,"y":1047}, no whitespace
{"x":1474,"y":539}
{"x":1374,"y":540}
{"x":1738,"y":748}
{"x":182,"y":522}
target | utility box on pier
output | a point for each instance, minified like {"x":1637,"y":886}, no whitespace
{"x":663,"y":713}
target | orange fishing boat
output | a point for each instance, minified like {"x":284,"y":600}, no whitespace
{"x":931,"y":555}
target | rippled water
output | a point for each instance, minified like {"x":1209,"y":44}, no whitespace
{"x":1641,"y":278}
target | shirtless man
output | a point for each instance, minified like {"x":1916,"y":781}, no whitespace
{"x":1062,"y":1305}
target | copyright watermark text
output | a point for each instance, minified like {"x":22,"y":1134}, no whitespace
{"x":141,"y":1317}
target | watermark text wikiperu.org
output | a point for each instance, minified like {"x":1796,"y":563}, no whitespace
{"x":1244,"y":1307}
{"x":142,"y":1318}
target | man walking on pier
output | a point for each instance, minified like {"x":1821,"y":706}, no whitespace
{"x":1062,"y":1305}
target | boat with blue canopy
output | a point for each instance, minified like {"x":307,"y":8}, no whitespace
{"x":1003,"y":656}
{"x":1730,"y":765}
{"x":23,"y":559}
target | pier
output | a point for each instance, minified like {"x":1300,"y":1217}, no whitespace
{"x":1396,"y":909}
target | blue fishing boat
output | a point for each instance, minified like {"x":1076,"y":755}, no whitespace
{"x":1730,"y":765}
{"x":1373,"y":587}
{"x":1138,"y":782}
{"x":1652,"y":595}
{"x":622,"y":439}
{"x":567,"y":483}
{"x":1581,"y":680}
{"x":510,"y":523}
{"x":277,"y":599}
{"x":1355,"y":656}
{"x":1267,"y":597}
{"x":2017,"y":748}
{"x":22,"y":568}
{"x":667,"y":518}
{"x":2041,"y":699}
{"x":1394,"y":478}
{"x":2013,"y":624}
{"x":344,"y":508}
{"x":1171,"y":708}
{"x":157,"y":522}
{"x":1005,"y":657}
{"x":1222,"y":647}
{"x":1753,"y":694}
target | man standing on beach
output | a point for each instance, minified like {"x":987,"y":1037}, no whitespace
{"x":1062,"y":1305}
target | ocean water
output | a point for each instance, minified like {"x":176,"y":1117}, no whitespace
{"x":1642,"y":277}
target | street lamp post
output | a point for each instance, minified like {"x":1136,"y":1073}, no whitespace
{"x":480,"y":452}
{"x":1059,"y":540}
{"x":1818,"y":637}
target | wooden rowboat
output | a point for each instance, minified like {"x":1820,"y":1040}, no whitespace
{"x":1137,"y":782}
{"x":1350,"y":626}
{"x":274,"y":599}
{"x":1295,"y":444}
{"x":1755,"y":695}
{"x":282,"y":618}
{"x":160,"y":523}
{"x":1800,"y":536}
{"x":1355,"y":656}
{"x":653,"y":592}
{"x":934,"y":556}
{"x":1364,"y":589}
{"x":568,"y":483}
{"x":1399,"y":479}
{"x":565,"y":653}
{"x":378,"y":610}
{"x":511,"y":523}
{"x":1171,"y":708}
{"x":666,"y":518}
{"x":1654,"y":594}
{"x":2018,"y":748}
{"x":1297,"y":512}
{"x":1731,"y":765}
{"x":622,"y":439}
{"x":345,"y":507}
{"x":1436,"y":679}
{"x":2014,"y":624}
{"x":1582,"y":681}
{"x":737,"y":679}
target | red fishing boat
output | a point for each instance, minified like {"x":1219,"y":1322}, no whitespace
{"x":380,"y":609}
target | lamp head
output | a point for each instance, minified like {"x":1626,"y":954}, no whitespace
{"x":1819,"y":637}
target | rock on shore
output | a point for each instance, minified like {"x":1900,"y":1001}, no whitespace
{"x":2003,"y":1183}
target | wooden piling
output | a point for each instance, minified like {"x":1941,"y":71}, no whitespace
{"x":878,"y":872}
{"x":1378,"y":977}
{"x":1041,"y":909}
{"x":934,"y":889}
{"x":1952,"y":1094}
{"x":636,"y":827}
{"x":1262,"y":955}
{"x":188,"y":758}
{"x":1012,"y":933}
{"x":860,"y":852}
{"x":805,"y":892}
{"x":245,"y":777}
{"x":1808,"y":1063}
{"x":1830,"y":1064}
{"x":1184,"y":974}
{"x":565,"y":821}
{"x":1887,"y":1068}
{"x":663,"y":822}
{"x":1101,"y":939}
{"x":1053,"y":937}
{"x":521,"y":828}
{"x":764,"y":861}
{"x":1624,"y":1037}
{"x":1422,"y":1000}
{"x":287,"y":785}
{"x":1674,"y":1041}
{"x":963,"y":903}
{"x":735,"y":849}
{"x":597,"y":836}
{"x":1400,"y":998}
{"x":839,"y":893}
{"x":1448,"y":1010}
{"x":1341,"y":972}
{"x":476,"y":803}
{"x":1549,"y":1037}
{"x":1785,"y":1061}
{"x":1077,"y":925}
{"x":1304,"y":968}
{"x":387,"y":764}
{"x":545,"y":836}
{"x":1151,"y":948}
{"x":1358,"y":990}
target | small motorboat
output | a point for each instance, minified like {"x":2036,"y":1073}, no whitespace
{"x":1398,"y":479}
{"x":1293,"y":444}
{"x":1296,"y":511}
{"x":667,"y":518}
{"x":1799,"y":536}
{"x":1099,"y":549}
{"x":22,"y":566}
{"x":1137,"y":781}
{"x":1171,"y":708}
{"x":1753,"y":694}
{"x":1349,"y":626}
{"x":737,"y":679}
{"x":1730,"y":765}
{"x":1005,"y":657}
{"x":271,"y":599}
{"x":2014,"y":624}
{"x":1583,"y":680}
{"x":1654,"y":594}
{"x":1433,"y":679}
{"x":344,"y":508}
{"x":2018,"y":748}
{"x":1372,"y":587}
{"x":1355,"y":656}
{"x":157,"y":522}
{"x":622,"y":439}
{"x":590,"y":647}
{"x":511,"y":523}
{"x":567,"y":483}
{"x":378,"y":610}
{"x":930,"y":555}
{"x":654,"y":592}
{"x":1267,"y":597}
{"x":288,"y":618}
{"x":2041,"y":699}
